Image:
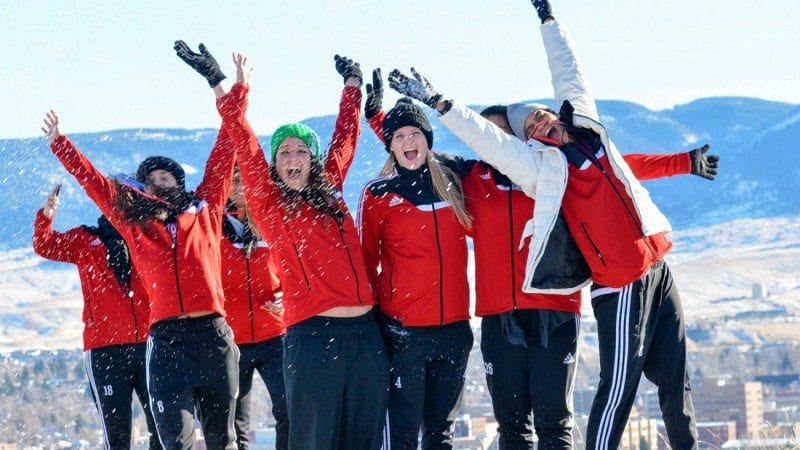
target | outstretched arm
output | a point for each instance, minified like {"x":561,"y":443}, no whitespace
{"x":566,"y":72}
{"x":99,"y":188}
{"x":216,"y":183}
{"x":512,"y":157}
{"x":695,"y":162}
{"x":348,"y":123}
{"x":259,"y":189}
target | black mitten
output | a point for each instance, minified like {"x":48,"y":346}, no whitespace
{"x":202,"y":62}
{"x":704,"y":166}
{"x":374,"y":101}
{"x":348,"y":68}
{"x":543,"y":9}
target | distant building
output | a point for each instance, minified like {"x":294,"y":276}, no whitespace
{"x":722,"y":400}
{"x":640,"y":435}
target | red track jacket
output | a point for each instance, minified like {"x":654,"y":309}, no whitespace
{"x":320,"y":264}
{"x":179,"y":262}
{"x":250,"y":281}
{"x":111,"y":314}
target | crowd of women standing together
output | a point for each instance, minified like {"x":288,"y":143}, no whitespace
{"x":360,"y":329}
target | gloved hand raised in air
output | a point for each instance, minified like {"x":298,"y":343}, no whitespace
{"x":418,"y":88}
{"x":348,"y":68}
{"x":374,"y":102}
{"x":202,"y":62}
{"x":543,"y":9}
{"x":704,"y":166}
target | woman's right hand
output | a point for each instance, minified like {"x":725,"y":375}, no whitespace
{"x":51,"y":202}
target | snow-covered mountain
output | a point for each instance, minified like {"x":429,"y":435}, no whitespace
{"x":742,"y":229}
{"x":755,"y":138}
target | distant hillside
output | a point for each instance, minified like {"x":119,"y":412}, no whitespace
{"x":756,"y":139}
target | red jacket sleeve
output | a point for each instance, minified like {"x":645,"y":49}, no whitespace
{"x":370,"y":223}
{"x":649,"y":167}
{"x":258,"y":185}
{"x":345,"y":137}
{"x":218,"y":173}
{"x":376,"y":123}
{"x":51,"y":244}
{"x":97,"y":186}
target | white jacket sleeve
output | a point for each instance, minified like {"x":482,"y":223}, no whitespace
{"x":512,"y":157}
{"x":565,"y":71}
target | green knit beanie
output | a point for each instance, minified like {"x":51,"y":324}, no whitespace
{"x":298,"y":130}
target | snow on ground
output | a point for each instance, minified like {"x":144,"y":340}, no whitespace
{"x":715,"y":268}
{"x":41,"y":303}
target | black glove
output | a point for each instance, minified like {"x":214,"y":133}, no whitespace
{"x":543,"y":9}
{"x":202,"y":62}
{"x":417,"y":88}
{"x":348,"y":68}
{"x":374,"y":101}
{"x":704,"y":166}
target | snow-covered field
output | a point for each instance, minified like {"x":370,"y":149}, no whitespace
{"x":715,"y":268}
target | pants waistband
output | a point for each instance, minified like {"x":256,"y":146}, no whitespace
{"x":189,"y":325}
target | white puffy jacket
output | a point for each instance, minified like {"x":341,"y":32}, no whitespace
{"x":541,"y":170}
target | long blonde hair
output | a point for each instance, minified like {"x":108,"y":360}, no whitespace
{"x":445,"y":182}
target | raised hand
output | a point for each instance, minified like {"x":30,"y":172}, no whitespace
{"x":51,"y":202}
{"x":51,"y":126}
{"x":348,"y":69}
{"x":374,"y":102}
{"x":202,"y":62}
{"x":704,"y":166}
{"x":543,"y":9}
{"x":243,"y":71}
{"x":418,"y":88}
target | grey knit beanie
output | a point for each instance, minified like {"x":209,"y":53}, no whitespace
{"x":518,"y":112}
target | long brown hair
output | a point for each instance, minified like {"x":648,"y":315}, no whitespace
{"x":319,"y":193}
{"x":137,"y":207}
{"x":445,"y":182}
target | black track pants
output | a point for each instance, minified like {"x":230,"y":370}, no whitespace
{"x":266,"y":358}
{"x":640,"y":329}
{"x":427,"y":367}
{"x":193,"y":365}
{"x":337,"y":376}
{"x":537,"y":378}
{"x":115,"y":372}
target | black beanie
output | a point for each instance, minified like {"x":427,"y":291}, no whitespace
{"x":152,"y":163}
{"x":406,"y":113}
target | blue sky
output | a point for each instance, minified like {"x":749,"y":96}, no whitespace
{"x":105,"y":65}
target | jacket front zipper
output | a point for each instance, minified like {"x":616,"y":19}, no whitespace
{"x":441,"y":264}
{"x":129,"y":293}
{"x":250,"y":295}
{"x":352,"y":266}
{"x":511,"y":242}
{"x":175,"y":263}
